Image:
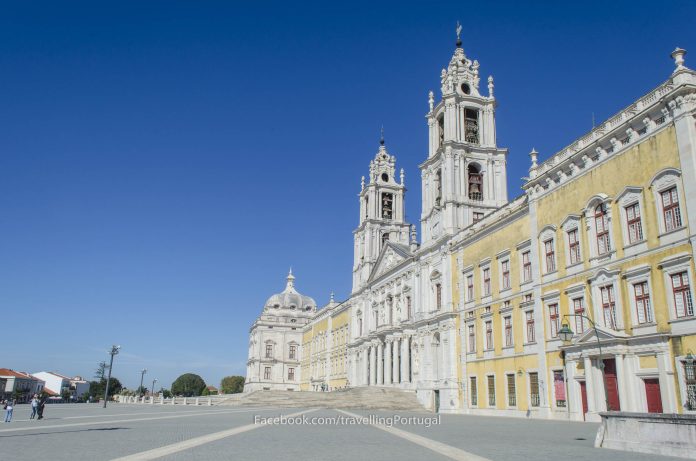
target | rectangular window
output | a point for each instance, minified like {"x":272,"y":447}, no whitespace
{"x":559,"y":388}
{"x":293,"y":352}
{"x":409,"y":310}
{"x":670,"y":209}
{"x":291,"y":374}
{"x":550,"y":256}
{"x":526,"y":266}
{"x":487,"y":281}
{"x":642,"y":296}
{"x":505,"y":269}
{"x":491,"y":391}
{"x":508,"y":331}
{"x":690,"y":375}
{"x":472,"y":338}
{"x":473,"y":391}
{"x":489,"y":335}
{"x":608,"y":306}
{"x":635,"y":228}
{"x":269,"y":351}
{"x":267,"y":373}
{"x":683,"y":304}
{"x":470,"y":287}
{"x":530,"y":326}
{"x":574,"y":246}
{"x":534,"y":389}
{"x":512,"y":391}
{"x":438,"y":295}
{"x":554,"y":321}
{"x":477,"y":216}
{"x":579,"y":310}
{"x":602,"y":229}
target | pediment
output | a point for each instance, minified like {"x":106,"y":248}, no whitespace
{"x":391,"y":255}
{"x":605,"y":334}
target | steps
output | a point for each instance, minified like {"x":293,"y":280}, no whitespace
{"x":367,"y":398}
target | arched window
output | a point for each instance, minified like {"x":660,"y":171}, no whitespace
{"x":475,"y":179}
{"x":438,"y":187}
{"x":441,"y":130}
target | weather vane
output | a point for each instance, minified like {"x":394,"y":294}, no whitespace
{"x":459,"y":33}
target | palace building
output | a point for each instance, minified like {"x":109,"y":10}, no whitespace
{"x":571,"y":298}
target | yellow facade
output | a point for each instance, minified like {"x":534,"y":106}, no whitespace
{"x":325,"y":349}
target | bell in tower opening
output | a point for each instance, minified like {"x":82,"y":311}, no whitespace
{"x":471,"y":126}
{"x":387,"y":202}
{"x":475,"y":183}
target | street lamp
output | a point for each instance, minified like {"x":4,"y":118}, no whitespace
{"x":566,"y":335}
{"x":114,"y":351}
{"x":142,"y":375}
{"x":153,"y":387}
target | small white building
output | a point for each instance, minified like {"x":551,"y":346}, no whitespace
{"x":55,"y":382}
{"x":275,"y":341}
{"x":19,"y":384}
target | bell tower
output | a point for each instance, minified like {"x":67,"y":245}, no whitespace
{"x":465,"y":175}
{"x":382,"y":214}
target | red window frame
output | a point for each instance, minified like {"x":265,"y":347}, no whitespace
{"x":486,"y":281}
{"x":670,"y":209}
{"x":579,"y":309}
{"x":527,"y":266}
{"x":505,"y":267}
{"x":608,"y":306}
{"x":489,"y":334}
{"x":554,"y":320}
{"x":531,"y":337}
{"x":641,"y":293}
{"x":550,"y":256}
{"x":682,"y":294}
{"x":602,"y":229}
{"x":633,"y":222}
{"x":508,"y":331}
{"x":574,"y":246}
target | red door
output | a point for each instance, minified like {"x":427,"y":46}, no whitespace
{"x":583,"y":394}
{"x":612,"y":385}
{"x":652,"y":394}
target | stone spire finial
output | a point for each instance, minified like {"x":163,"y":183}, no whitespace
{"x":533,"y":155}
{"x":381,"y":136}
{"x":402,"y":176}
{"x":431,"y":100}
{"x":331,"y":298}
{"x":678,"y":56}
{"x":362,"y":183}
{"x":459,"y":35}
{"x":490,"y":86}
{"x":291,"y":280}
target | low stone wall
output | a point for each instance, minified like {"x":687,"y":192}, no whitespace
{"x":663,"y":434}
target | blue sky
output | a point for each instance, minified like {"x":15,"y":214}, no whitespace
{"x":162,"y":164}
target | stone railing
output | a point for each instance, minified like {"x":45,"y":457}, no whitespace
{"x":657,"y":433}
{"x":207,"y":401}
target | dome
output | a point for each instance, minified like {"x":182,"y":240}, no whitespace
{"x":290,"y":299}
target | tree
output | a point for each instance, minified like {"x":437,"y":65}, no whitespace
{"x":166,"y":393}
{"x":188,"y":385}
{"x":205,"y":392}
{"x":96,"y":388}
{"x":100,"y":372}
{"x":232,"y":385}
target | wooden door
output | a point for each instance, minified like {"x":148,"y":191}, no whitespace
{"x":652,"y":394}
{"x":583,"y":395}
{"x":612,"y":385}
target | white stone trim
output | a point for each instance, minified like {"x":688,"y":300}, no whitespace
{"x":663,"y":180}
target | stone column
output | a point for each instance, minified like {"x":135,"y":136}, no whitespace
{"x":395,"y":360}
{"x":405,"y":358}
{"x":380,"y":364}
{"x":387,"y":361}
{"x":624,"y":401}
{"x":373,"y":365}
{"x":589,"y":386}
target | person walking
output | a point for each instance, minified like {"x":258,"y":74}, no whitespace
{"x":9,"y":407}
{"x":42,"y":404}
{"x":34,"y":406}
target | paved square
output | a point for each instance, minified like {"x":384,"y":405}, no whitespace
{"x":140,"y":432}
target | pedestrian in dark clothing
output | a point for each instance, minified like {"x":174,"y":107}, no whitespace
{"x":42,"y":404}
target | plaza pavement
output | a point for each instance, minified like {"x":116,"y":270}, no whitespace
{"x":139,"y":432}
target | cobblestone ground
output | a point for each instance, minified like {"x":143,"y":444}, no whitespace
{"x":140,"y":432}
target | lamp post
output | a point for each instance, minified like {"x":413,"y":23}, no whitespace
{"x":142,"y":375}
{"x":114,"y":351}
{"x":153,"y":387}
{"x":566,"y":335}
